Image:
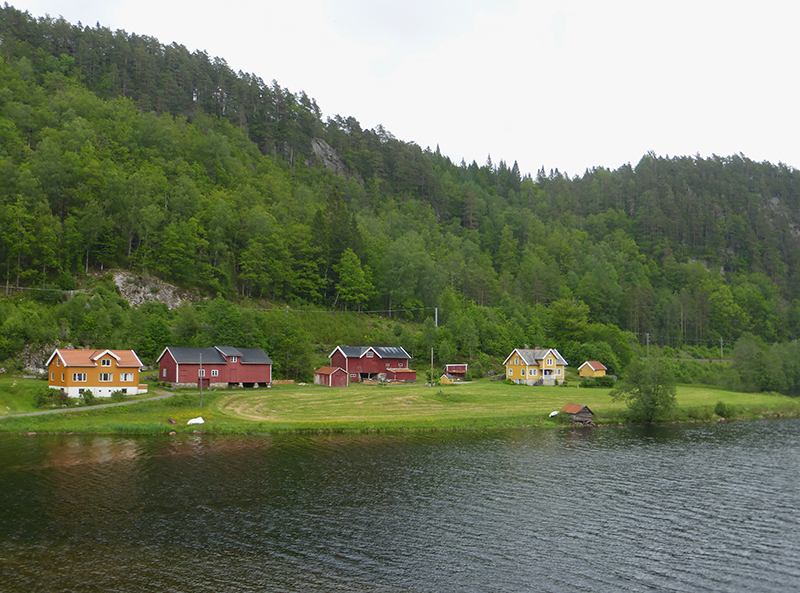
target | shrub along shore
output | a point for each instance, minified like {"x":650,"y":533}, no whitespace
{"x":478,"y":405}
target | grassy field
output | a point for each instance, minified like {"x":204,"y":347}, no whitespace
{"x":482,"y":404}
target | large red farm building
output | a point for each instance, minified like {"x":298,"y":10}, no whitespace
{"x":373,"y":362}
{"x":219,"y":366}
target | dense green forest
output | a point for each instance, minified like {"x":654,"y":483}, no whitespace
{"x":119,"y":152}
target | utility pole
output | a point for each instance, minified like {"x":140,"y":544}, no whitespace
{"x":436,"y":317}
{"x":201,"y":379}
{"x":721,"y":355}
{"x":648,"y":344}
{"x":431,"y":366}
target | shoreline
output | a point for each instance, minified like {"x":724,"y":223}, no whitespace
{"x":372,"y":410}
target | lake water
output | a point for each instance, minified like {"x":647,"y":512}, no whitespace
{"x":713,"y":507}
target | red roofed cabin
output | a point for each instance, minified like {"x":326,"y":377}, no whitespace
{"x":592,"y":368}
{"x":578,"y":413}
{"x":219,"y":366}
{"x":372,"y":362}
{"x":457,"y":371}
{"x":330,"y":377}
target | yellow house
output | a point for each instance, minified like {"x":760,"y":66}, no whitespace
{"x":536,"y":367}
{"x":592,"y":368}
{"x":100,"y":371}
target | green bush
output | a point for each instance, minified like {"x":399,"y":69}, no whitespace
{"x":118,"y":396}
{"x":88,"y":397}
{"x":724,"y":410}
{"x":590,"y":382}
{"x":45,"y":398}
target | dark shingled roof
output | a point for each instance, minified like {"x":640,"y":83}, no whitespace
{"x":215,"y":355}
{"x":381,"y":351}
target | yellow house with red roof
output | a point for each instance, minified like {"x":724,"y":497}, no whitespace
{"x":100,"y":371}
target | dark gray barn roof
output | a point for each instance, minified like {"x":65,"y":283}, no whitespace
{"x":216,"y":355}
{"x":381,"y":351}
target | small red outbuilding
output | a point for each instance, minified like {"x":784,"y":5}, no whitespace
{"x":330,"y":377}
{"x":407,"y":375}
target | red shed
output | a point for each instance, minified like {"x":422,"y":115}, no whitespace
{"x":330,"y":377}
{"x":458,"y":371}
{"x":407,"y":375}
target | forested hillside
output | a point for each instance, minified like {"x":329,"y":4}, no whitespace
{"x":119,"y":152}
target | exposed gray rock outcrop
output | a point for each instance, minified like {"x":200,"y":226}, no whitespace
{"x":138,"y":290}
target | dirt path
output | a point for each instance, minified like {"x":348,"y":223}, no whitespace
{"x":162,"y":395}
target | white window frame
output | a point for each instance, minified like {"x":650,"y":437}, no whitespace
{"x":126,"y":377}
{"x":106,"y":377}
{"x":370,"y":354}
{"x":510,"y":372}
{"x":79,"y":377}
{"x":164,"y":372}
{"x":558,"y":372}
{"x":201,"y":372}
{"x":549,"y":362}
{"x":233,"y":359}
{"x":214,"y":373}
{"x":522,"y":372}
{"x":533,"y":372}
{"x":105,"y":362}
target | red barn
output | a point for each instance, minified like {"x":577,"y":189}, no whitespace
{"x":330,"y":377}
{"x":369,"y":362}
{"x":219,"y":366}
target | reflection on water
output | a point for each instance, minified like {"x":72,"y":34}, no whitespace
{"x":676,"y":508}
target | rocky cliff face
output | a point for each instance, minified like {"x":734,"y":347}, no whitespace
{"x":138,"y":290}
{"x":329,"y":157}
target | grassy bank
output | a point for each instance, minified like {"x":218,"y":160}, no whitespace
{"x":482,"y":404}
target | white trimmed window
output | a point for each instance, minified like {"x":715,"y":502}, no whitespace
{"x":549,"y":362}
{"x":516,"y":361}
{"x":214,"y":373}
{"x":62,"y":377}
{"x":106,"y":362}
{"x":164,"y":372}
{"x":399,"y":364}
{"x":52,"y":376}
{"x":558,"y":372}
{"x":58,"y":361}
{"x":233,"y":359}
{"x":106,"y":377}
{"x":126,"y":377}
{"x":79,"y":377}
{"x":370,"y":354}
{"x":522,"y":372}
{"x":533,"y":372}
{"x":510,"y":372}
{"x":201,"y":372}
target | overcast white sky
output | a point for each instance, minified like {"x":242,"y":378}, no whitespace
{"x":567,"y":84}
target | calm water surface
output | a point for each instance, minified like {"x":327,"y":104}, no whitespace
{"x":671,"y":508}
